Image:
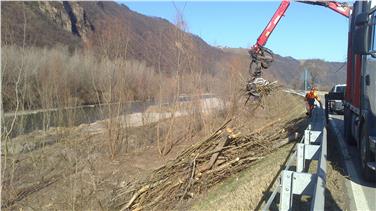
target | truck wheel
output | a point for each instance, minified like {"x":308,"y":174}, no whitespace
{"x":365,"y":155}
{"x":347,"y":127}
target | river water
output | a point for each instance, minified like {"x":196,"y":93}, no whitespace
{"x":29,"y":121}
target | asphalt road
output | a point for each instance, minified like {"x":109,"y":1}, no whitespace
{"x":361,"y":193}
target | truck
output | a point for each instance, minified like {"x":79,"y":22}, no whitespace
{"x":336,"y":106}
{"x":360,"y":94}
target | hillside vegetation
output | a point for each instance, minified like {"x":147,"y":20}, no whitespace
{"x":102,"y":27}
{"x":51,"y":78}
{"x":91,"y":24}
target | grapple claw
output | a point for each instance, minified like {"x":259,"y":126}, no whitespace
{"x":261,"y":58}
{"x":255,"y":85}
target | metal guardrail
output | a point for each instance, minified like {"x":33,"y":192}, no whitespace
{"x":299,"y":182}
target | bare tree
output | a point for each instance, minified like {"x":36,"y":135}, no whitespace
{"x":314,"y":78}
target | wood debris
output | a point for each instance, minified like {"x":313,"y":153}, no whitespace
{"x":201,"y":166}
{"x":262,"y":92}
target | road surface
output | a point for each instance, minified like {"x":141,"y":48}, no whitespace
{"x":362,"y":194}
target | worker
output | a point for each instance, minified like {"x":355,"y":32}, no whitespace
{"x":310,"y":98}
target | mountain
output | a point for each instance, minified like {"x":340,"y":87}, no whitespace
{"x":86,"y":24}
{"x":38,"y":24}
{"x":104,"y":26}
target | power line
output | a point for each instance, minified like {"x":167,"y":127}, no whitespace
{"x":340,"y":67}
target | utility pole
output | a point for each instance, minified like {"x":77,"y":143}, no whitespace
{"x":305,"y":78}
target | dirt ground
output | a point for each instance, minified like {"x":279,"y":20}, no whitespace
{"x":71,"y":168}
{"x":336,"y":197}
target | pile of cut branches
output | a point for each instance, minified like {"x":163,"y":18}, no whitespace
{"x":202,"y":165}
{"x":260,"y":92}
{"x":265,"y":90}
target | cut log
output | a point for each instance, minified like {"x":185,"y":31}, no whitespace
{"x":214,"y":157}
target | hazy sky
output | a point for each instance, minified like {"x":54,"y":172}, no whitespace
{"x":306,"y":31}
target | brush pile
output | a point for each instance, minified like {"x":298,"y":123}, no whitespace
{"x":265,"y":90}
{"x":202,"y":165}
{"x":259,"y":90}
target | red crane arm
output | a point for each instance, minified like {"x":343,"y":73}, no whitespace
{"x":261,"y":40}
{"x":262,"y":57}
{"x":338,"y":7}
{"x":341,"y":8}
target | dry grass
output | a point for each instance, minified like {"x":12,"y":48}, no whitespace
{"x":57,"y":78}
{"x":243,"y":191}
{"x":74,"y":171}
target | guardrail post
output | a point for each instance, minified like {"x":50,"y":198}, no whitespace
{"x":305,"y":152}
{"x":307,"y":134}
{"x":295,"y":183}
{"x":286,"y":191}
{"x":300,"y":161}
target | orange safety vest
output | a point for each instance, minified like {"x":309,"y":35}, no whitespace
{"x":312,"y":95}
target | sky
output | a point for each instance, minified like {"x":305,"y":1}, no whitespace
{"x":306,"y":31}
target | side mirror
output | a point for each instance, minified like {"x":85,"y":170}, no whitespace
{"x":360,"y":35}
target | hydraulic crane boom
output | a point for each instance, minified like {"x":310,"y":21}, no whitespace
{"x":263,"y":38}
{"x":261,"y":57}
{"x":341,"y":8}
